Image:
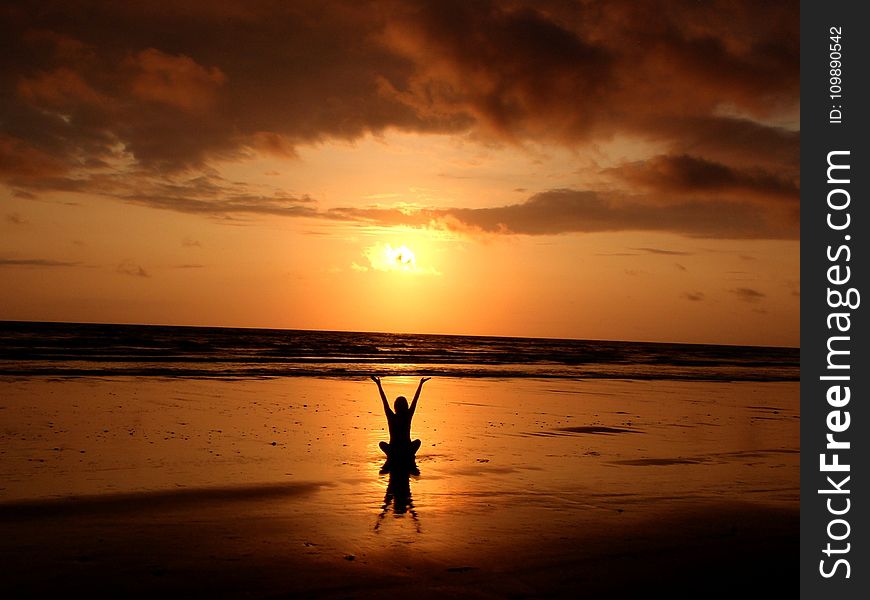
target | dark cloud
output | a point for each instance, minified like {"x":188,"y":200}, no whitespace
{"x":733,"y":141}
{"x":36,"y":262}
{"x":567,"y":211}
{"x":176,"y":81}
{"x":572,"y":71}
{"x":15,"y":219}
{"x":689,"y":175}
{"x":109,"y":97}
{"x":509,"y":69}
{"x":748,"y":294}
{"x":694,"y":296}
{"x":178,"y":87}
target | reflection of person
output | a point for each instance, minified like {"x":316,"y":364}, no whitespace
{"x":400,"y":446}
{"x":398,"y":497}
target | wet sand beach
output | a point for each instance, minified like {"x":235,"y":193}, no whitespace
{"x":271,"y":488}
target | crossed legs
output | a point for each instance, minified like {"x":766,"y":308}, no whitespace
{"x":387,"y":449}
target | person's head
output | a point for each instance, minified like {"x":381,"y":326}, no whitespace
{"x":401,"y":405}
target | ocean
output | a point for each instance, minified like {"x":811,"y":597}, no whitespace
{"x":77,"y":349}
{"x":166,"y":455}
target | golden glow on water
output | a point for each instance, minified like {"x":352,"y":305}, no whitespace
{"x":498,"y":457}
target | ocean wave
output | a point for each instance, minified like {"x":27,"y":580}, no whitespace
{"x":76,"y":350}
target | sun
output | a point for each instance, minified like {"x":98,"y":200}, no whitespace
{"x":401,"y":258}
{"x":386,"y":257}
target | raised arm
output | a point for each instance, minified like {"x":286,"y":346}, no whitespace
{"x":417,"y":394}
{"x":387,"y":409}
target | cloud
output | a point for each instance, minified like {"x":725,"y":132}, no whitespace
{"x":175,"y":80}
{"x":113,"y":98}
{"x":573,"y":211}
{"x":552,"y":212}
{"x":518,"y":70}
{"x":748,"y":294}
{"x":128,"y":267}
{"x":160,"y":83}
{"x":21,"y":164}
{"x":59,"y":88}
{"x":15,"y":219}
{"x":499,"y":67}
{"x":581,"y":71}
{"x":190,"y":243}
{"x":206,"y":194}
{"x":694,"y":296}
{"x":689,"y":175}
{"x":36,"y":262}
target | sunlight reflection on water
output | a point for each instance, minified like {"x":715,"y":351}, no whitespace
{"x":494,"y":455}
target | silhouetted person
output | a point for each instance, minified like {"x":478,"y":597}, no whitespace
{"x":400,"y":448}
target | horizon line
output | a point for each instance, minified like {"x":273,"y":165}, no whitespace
{"x":517,"y":337}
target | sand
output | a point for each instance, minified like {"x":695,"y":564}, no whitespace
{"x":271,"y":488}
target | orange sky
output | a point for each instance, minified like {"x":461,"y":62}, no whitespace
{"x":619,"y":170}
